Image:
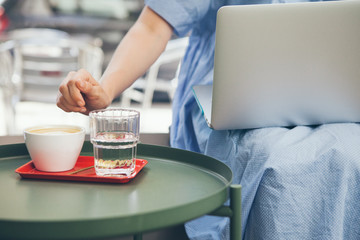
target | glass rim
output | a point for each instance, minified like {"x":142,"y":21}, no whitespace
{"x":95,"y":113}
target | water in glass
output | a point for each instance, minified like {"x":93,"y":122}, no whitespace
{"x":115,"y":153}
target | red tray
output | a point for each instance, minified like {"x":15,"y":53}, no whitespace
{"x":28,"y":170}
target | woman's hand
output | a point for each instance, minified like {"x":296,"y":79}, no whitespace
{"x":80,"y":92}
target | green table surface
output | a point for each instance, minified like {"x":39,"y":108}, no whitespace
{"x":174,"y":187}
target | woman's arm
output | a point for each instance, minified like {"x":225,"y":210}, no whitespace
{"x":138,"y":50}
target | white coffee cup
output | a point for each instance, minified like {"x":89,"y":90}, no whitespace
{"x":54,"y":148}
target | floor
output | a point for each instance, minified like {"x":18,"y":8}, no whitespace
{"x":156,"y":119}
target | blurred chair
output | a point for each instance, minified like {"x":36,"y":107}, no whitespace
{"x":143,"y":89}
{"x":42,"y":58}
{"x":39,"y":33}
{"x":8,"y":79}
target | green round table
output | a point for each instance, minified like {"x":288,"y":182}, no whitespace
{"x":174,"y":187}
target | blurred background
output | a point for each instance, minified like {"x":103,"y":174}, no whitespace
{"x":42,"y":40}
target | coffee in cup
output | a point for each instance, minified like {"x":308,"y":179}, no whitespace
{"x":54,"y":130}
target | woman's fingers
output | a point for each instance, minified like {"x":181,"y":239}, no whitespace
{"x":70,"y":98}
{"x":80,"y":92}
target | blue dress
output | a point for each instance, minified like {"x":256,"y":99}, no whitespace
{"x":298,"y":183}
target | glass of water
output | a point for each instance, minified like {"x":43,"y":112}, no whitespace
{"x":114,"y":134}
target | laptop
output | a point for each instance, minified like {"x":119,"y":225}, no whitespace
{"x":284,"y":65}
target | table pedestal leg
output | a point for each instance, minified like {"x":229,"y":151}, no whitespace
{"x":233,"y":212}
{"x":235,"y":205}
{"x":138,"y":236}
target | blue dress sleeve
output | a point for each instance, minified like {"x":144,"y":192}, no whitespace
{"x":180,"y":14}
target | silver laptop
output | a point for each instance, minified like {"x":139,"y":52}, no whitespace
{"x":284,"y":65}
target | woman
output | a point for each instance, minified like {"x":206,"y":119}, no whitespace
{"x":287,"y":174}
